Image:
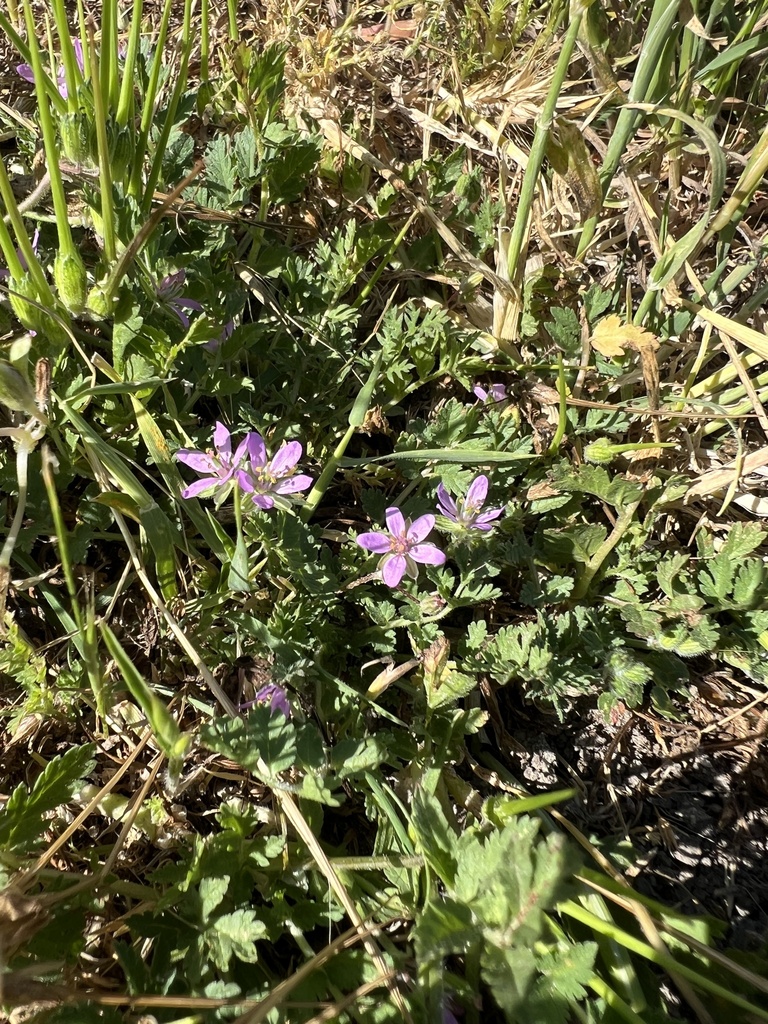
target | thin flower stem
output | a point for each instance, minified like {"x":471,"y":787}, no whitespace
{"x":105,"y":171}
{"x":593,"y":566}
{"x":126,"y":102}
{"x":25,"y":443}
{"x":515,"y":253}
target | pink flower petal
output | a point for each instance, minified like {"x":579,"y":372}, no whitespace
{"x":489,"y":516}
{"x":263,"y":501}
{"x":393,"y":569}
{"x":378,"y":542}
{"x":446,"y":504}
{"x":199,"y":461}
{"x":479,"y":392}
{"x":395,"y":523}
{"x":241,"y":452}
{"x":257,"y":451}
{"x":477,"y":493}
{"x":427,"y":553}
{"x":420,"y":528}
{"x":244,"y":481}
{"x":300,"y":482}
{"x":285,"y":459}
{"x":222,"y":439}
{"x":208,"y":483}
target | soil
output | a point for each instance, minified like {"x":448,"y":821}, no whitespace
{"x":690,"y":797}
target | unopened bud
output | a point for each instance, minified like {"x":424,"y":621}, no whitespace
{"x":70,"y":279}
{"x":601,"y":451}
{"x":431,"y":605}
{"x":100,"y":302}
{"x":75,"y":138}
{"x":15,"y":390}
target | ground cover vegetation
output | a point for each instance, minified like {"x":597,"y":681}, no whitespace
{"x":380,"y":384}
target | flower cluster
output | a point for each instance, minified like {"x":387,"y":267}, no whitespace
{"x":402,"y":545}
{"x":249,"y":468}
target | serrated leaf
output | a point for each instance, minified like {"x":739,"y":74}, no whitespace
{"x":263,"y":739}
{"x":444,"y":927}
{"x":22,"y":817}
{"x":212,"y":892}
{"x":235,"y":936}
{"x":434,"y":837}
{"x":749,"y":584}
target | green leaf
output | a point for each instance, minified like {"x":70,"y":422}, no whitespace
{"x":22,"y":818}
{"x":443,"y":928}
{"x":434,"y":837}
{"x":234,"y":936}
{"x":262,"y":739}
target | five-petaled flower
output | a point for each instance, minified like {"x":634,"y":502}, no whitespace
{"x":266,"y":479}
{"x":217,"y":467}
{"x":402,"y":546}
{"x":466,"y":512}
{"x":494,"y":393}
{"x":169,"y":293}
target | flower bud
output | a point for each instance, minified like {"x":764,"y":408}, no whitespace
{"x":601,"y":451}
{"x":100,"y":303}
{"x":431,"y":605}
{"x":15,"y":390}
{"x":70,"y":278}
{"x":74,"y":132}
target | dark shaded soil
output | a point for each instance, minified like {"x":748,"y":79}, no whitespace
{"x":691,"y":797}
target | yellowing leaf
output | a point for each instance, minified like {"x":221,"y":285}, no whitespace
{"x":612,"y":336}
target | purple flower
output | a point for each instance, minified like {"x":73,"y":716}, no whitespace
{"x":273,"y":695}
{"x":169,"y":294}
{"x":465,"y":512}
{"x":264,"y":479}
{"x":224,"y":334}
{"x":402,"y":546}
{"x":26,"y":72}
{"x":218,"y":467}
{"x":495,"y":393}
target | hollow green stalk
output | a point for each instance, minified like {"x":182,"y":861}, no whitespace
{"x":110,"y":86}
{"x":105,"y":172}
{"x":126,"y":103}
{"x":149,"y":102}
{"x":655,"y":43}
{"x":66,"y":244}
{"x":515,"y":254}
{"x":72,"y":74}
{"x":170,"y":116}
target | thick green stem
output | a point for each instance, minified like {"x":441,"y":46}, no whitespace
{"x":66,"y":245}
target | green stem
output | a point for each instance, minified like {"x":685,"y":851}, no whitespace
{"x":515,"y":263}
{"x":105,"y":171}
{"x":664,"y":960}
{"x":170,"y":116}
{"x":593,"y":566}
{"x":66,"y":245}
{"x":125,"y":104}
{"x":149,"y":102}
{"x":72,"y":75}
{"x":562,"y":420}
